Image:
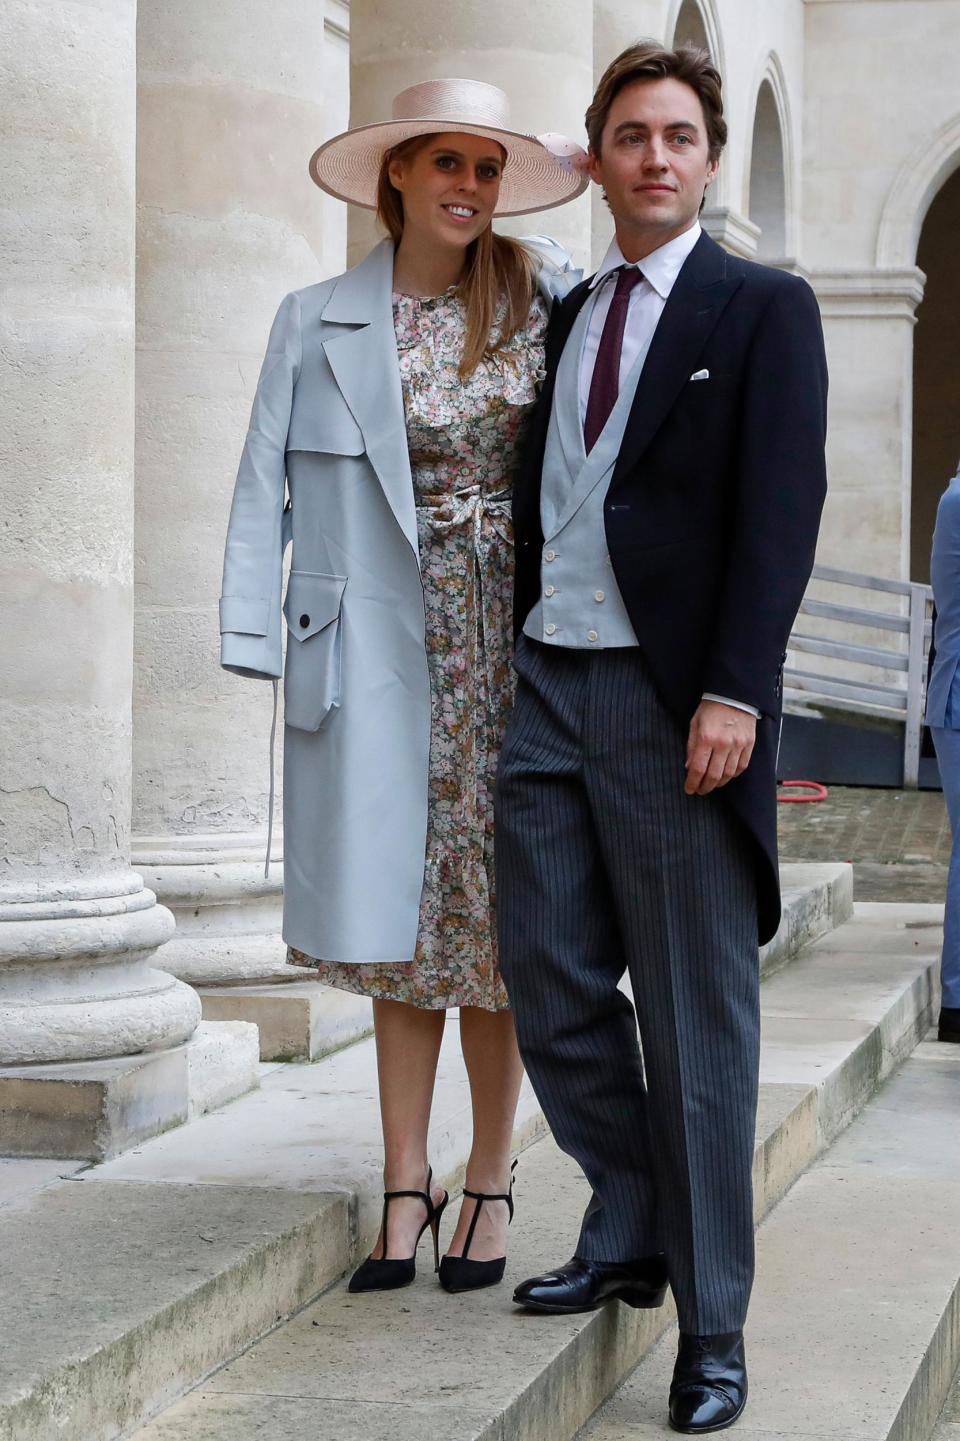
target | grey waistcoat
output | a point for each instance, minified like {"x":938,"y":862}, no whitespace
{"x":580,"y":604}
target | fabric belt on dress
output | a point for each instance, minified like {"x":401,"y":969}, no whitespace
{"x":486,"y":515}
{"x":456,"y":508}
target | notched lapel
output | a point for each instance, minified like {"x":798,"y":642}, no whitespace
{"x":701,"y":293}
{"x":363,"y":358}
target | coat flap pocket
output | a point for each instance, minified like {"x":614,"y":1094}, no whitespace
{"x":238,"y":613}
{"x":312,"y":602}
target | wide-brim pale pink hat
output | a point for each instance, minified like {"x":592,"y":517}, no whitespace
{"x":534,"y":177}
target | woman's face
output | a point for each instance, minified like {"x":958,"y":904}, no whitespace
{"x":450,"y":188}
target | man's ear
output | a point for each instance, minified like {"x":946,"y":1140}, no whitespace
{"x":593,"y":166}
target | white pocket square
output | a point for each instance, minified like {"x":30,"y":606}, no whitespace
{"x":700,"y":375}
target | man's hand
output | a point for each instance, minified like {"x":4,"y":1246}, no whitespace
{"x":719,"y":746}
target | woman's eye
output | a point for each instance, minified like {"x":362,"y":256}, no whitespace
{"x":489,"y":172}
{"x":445,"y":161}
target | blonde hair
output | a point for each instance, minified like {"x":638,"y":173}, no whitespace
{"x":497,"y":267}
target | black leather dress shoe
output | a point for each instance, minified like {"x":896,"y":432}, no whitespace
{"x":949,"y":1028}
{"x":584,"y":1285}
{"x":709,"y":1387}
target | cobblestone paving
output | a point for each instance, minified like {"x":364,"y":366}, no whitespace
{"x":898,"y":841}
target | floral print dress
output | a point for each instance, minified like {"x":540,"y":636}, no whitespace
{"x":463,"y":438}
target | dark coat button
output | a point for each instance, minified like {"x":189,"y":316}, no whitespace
{"x":304,"y":621}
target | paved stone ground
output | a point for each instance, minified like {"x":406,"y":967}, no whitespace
{"x":898,"y":841}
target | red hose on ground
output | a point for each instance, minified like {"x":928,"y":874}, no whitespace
{"x":817,"y":793}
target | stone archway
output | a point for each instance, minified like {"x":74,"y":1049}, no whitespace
{"x":919,"y":179}
{"x":767,"y":205}
{"x":690,"y":26}
{"x":936,"y":367}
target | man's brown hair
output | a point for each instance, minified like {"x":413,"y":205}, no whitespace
{"x":648,"y":60}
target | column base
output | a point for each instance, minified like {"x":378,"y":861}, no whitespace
{"x":92,"y":1110}
{"x":76,"y":979}
{"x":229,"y":915}
{"x":228,"y":944}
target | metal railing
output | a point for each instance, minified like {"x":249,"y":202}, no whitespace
{"x":899,"y":693}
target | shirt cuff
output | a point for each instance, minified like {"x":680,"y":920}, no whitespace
{"x":737,"y":704}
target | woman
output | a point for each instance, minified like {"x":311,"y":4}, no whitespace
{"x":392,"y":400}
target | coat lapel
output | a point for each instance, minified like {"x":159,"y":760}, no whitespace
{"x":702,"y":289}
{"x":366,"y":368}
{"x":526,"y":490}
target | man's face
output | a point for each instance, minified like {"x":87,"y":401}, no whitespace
{"x":653,"y":161}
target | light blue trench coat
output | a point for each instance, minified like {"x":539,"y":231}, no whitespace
{"x":328,"y":426}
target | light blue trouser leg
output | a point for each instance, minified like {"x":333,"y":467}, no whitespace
{"x":947,"y":744}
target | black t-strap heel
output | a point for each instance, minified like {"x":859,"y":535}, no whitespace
{"x":389,"y":1275}
{"x":459,"y":1273}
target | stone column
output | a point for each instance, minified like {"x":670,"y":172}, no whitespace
{"x":77,"y":927}
{"x":868,"y":321}
{"x":232,"y":101}
{"x":540,"y":54}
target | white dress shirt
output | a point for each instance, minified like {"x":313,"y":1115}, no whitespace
{"x":659,"y":270}
{"x":647,"y":299}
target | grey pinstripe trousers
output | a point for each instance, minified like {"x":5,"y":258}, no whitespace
{"x":605,"y":865}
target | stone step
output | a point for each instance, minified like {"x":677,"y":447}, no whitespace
{"x":816,"y":898}
{"x":948,"y":1426}
{"x":425,"y":1366}
{"x":187,"y":1248}
{"x":854,"y":1330}
{"x":298,"y":1020}
{"x":91,"y":1110}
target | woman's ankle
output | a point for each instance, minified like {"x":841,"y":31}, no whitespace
{"x":490,"y":1179}
{"x":406,"y":1175}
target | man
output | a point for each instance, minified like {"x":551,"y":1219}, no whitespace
{"x":943,"y":718}
{"x":666,"y":524}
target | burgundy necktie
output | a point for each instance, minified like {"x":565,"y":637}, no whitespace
{"x":605,"y":384}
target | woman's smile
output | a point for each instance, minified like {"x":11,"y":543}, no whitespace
{"x":459,"y":212}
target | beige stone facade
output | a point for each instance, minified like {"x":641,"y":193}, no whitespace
{"x":156,"y":208}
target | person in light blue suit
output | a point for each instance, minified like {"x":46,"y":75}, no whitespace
{"x":943,"y":718}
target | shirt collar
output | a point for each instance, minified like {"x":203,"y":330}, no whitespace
{"x":661,"y":267}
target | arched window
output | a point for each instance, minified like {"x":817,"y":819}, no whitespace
{"x":690,"y":26}
{"x":767,"y":204}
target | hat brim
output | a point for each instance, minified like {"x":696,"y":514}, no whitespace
{"x":348,"y":166}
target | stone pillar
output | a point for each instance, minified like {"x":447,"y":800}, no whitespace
{"x":868,"y":321}
{"x":77,"y":927}
{"x":232,"y":101}
{"x":540,"y":54}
